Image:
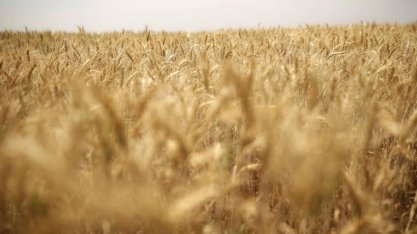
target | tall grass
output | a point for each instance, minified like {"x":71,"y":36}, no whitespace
{"x":302,"y":130}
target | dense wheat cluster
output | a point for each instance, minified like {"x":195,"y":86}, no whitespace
{"x":303,"y":130}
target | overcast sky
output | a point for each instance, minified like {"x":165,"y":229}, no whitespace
{"x":193,"y":15}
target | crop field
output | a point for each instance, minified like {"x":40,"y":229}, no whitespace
{"x":281,"y":130}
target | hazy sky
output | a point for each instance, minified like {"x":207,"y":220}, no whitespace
{"x":193,"y":15}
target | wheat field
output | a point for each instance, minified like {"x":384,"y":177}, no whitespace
{"x":280,"y":130}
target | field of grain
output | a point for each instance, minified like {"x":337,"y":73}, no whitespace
{"x":282,"y":130}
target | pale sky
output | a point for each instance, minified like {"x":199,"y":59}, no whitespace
{"x":193,"y":15}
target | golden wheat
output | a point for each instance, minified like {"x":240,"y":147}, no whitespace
{"x":302,"y":130}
